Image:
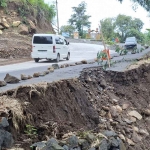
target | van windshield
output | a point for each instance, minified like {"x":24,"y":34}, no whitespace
{"x":130,"y":39}
{"x":42,"y":40}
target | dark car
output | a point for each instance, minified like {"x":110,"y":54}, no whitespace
{"x":130,"y":42}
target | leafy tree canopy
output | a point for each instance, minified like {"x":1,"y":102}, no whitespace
{"x":39,"y":7}
{"x":107,"y":27}
{"x":144,"y":3}
{"x":147,"y":37}
{"x":122,"y":26}
{"x":67,"y":28}
{"x":49,"y":10}
{"x":79,"y":19}
{"x":139,"y":35}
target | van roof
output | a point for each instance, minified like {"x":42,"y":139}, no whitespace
{"x":40,"y":34}
{"x":47,"y":35}
{"x":131,"y":37}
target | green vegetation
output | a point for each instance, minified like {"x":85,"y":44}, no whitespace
{"x":102,"y":59}
{"x":79,"y":19}
{"x":101,"y":55}
{"x":124,"y":52}
{"x":107,"y":27}
{"x":42,"y":7}
{"x":31,"y":131}
{"x":146,"y":38}
{"x":122,"y":26}
{"x":144,"y":3}
{"x":121,"y":50}
{"x":3,"y":3}
{"x":126,"y":25}
{"x":67,"y":28}
{"x":35,"y":7}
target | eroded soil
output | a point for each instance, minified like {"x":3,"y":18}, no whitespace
{"x":85,"y":103}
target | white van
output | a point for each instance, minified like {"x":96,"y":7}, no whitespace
{"x":49,"y":46}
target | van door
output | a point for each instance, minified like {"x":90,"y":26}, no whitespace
{"x":63,"y":48}
{"x":60,"y":46}
{"x":42,"y":45}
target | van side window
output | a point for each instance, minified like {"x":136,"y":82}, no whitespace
{"x":59,"y":40}
{"x":43,"y":40}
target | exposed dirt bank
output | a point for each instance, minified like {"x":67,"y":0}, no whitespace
{"x":97,"y":100}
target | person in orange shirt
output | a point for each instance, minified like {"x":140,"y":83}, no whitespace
{"x":117,"y":40}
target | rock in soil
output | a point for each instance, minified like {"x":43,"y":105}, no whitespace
{"x":84,"y":144}
{"x":72,"y":64}
{"x":51,"y":69}
{"x":3,"y":122}
{"x":6,"y":139}
{"x":38,"y":145}
{"x":84,"y":61}
{"x":146,"y":112}
{"x":53,"y":145}
{"x":36,"y":75}
{"x":62,"y":66}
{"x":130,"y":142}
{"x":73,"y":141}
{"x":30,"y":77}
{"x":55,"y":66}
{"x":11,"y":79}
{"x":135,"y":114}
{"x":24,"y":77}
{"x":78,"y":63}
{"x":2,"y":83}
{"x":46,"y":72}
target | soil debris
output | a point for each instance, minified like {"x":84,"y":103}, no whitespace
{"x":97,"y":101}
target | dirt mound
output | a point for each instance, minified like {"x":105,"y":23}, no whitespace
{"x":62,"y":103}
{"x":18,"y":22}
{"x":130,"y":88}
{"x":97,"y":100}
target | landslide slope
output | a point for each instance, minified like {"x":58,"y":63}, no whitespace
{"x":98,"y":100}
{"x":19,"y":20}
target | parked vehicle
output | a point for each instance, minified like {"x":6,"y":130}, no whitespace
{"x":130,"y":42}
{"x":49,"y":46}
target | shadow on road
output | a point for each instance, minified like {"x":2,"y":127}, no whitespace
{"x":50,"y":61}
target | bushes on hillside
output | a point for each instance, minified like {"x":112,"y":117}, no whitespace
{"x":47,"y":10}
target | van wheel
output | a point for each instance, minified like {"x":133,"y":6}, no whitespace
{"x":36,"y":59}
{"x":68,"y":56}
{"x":58,"y":58}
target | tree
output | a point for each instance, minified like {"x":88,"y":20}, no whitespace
{"x":43,"y":9}
{"x":147,"y":37}
{"x":137,"y":24}
{"x":144,"y":3}
{"x":67,"y":28}
{"x":107,"y":27}
{"x":79,"y":19}
{"x":125,"y":24}
{"x":139,"y":35}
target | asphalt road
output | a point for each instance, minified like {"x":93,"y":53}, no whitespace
{"x":78,"y":52}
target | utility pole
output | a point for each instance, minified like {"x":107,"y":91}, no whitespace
{"x":57,"y":16}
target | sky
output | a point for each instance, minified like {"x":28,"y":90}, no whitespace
{"x":101,"y":9}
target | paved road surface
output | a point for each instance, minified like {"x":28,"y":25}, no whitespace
{"x":30,"y":67}
{"x":79,"y":51}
